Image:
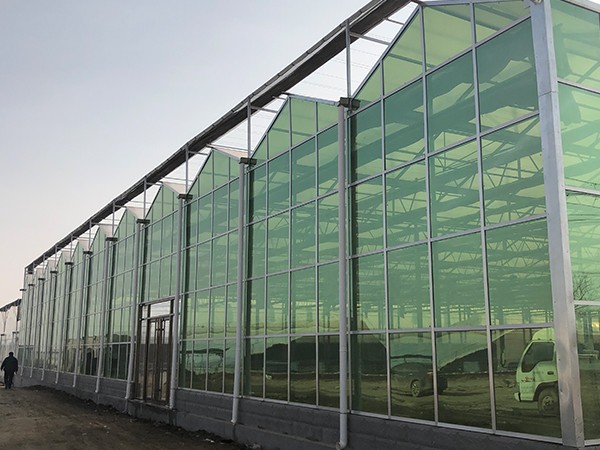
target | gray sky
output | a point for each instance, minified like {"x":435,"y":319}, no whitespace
{"x":96,"y":93}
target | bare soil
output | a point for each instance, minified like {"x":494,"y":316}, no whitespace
{"x":41,"y":418}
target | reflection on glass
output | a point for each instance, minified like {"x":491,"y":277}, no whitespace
{"x":278,"y":243}
{"x":513,"y":180}
{"x":447,"y":32}
{"x":408,"y":288}
{"x":411,"y":375}
{"x":584,"y":241}
{"x":279,"y":183}
{"x":576,"y":35}
{"x":458,"y":281}
{"x":279,"y":134}
{"x":256,"y":307}
{"x":303,"y":172}
{"x":519,"y":274}
{"x":371,"y":89}
{"x":220,"y":210}
{"x":303,"y":303}
{"x":229,"y":366}
{"x":303,"y":119}
{"x":277,"y":304}
{"x":303,"y":235}
{"x":406,"y":207}
{"x":328,"y":228}
{"x":327,"y":115}
{"x":506,"y":73}
{"x":366,"y":216}
{"x":579,"y":118}
{"x":201,"y":314}
{"x":369,"y":373}
{"x":404,"y":129}
{"x":329,"y":371}
{"x":217,"y":313}
{"x":450,"y":102}
{"x":368,"y":295}
{"x":254,"y":368}
{"x":303,"y":367}
{"x":276,"y":368}
{"x":329,"y":306}
{"x":214,"y":364}
{"x":257,"y":244}
{"x":404,"y":59}
{"x":327,"y":155}
{"x":462,"y":364}
{"x":525,"y":381}
{"x":492,"y":17}
{"x":365,"y":143}
{"x":454,"y":190}
{"x":257,"y":193}
{"x":199,"y":365}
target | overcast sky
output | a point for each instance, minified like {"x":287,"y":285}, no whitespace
{"x":96,"y":93}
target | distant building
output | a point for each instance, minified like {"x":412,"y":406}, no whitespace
{"x":468,"y":262}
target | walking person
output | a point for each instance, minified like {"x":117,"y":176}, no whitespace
{"x":10,"y":365}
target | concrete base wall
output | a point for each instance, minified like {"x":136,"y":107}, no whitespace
{"x":278,"y":425}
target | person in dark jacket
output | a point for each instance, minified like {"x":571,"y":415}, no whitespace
{"x":10,"y":365}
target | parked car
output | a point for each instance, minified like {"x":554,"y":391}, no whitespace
{"x":414,"y":375}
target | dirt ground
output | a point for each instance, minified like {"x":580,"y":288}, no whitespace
{"x":40,"y":418}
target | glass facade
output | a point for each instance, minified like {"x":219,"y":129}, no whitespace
{"x":450,"y":306}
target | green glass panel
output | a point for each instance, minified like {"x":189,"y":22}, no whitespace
{"x":189,"y":306}
{"x":191,"y":269}
{"x":519,"y":274}
{"x":276,"y":368}
{"x":366,"y":209}
{"x":232,"y":254}
{"x":513,"y":179}
{"x":404,"y":61}
{"x":408,"y":288}
{"x":492,"y":17}
{"x":303,"y":368}
{"x":371,"y":89}
{"x":368,"y":293}
{"x":447,"y":32}
{"x":254,"y":367}
{"x":279,"y":183}
{"x":219,"y":261}
{"x":234,"y":197}
{"x":229,"y":366}
{"x":231,"y":313}
{"x":278,"y":243}
{"x":411,"y":380}
{"x":576,"y":42}
{"x":450,"y":103}
{"x":454,"y":190}
{"x":257,"y":194}
{"x":165,"y":278}
{"x":584,"y":240}
{"x":257,"y":240}
{"x":404,"y":125}
{"x":304,"y":119}
{"x":214,"y":363}
{"x":458,"y":282}
{"x":256,"y":307}
{"x":406,"y":199}
{"x":221,"y":168}
{"x":220,"y":209}
{"x":204,"y":269}
{"x":198,"y":365}
{"x":205,"y":218}
{"x":277,"y":304}
{"x":327,"y":154}
{"x":328,"y":228}
{"x":279,"y":134}
{"x":506,"y":74}
{"x":205,"y":179}
{"x":260,"y":154}
{"x":201,"y":314}
{"x":303,"y":302}
{"x":462,"y":367}
{"x":365,"y":143}
{"x":303,"y":235}
{"x":303,"y":172}
{"x":327,"y":115}
{"x":329,"y":371}
{"x":329,"y":306}
{"x":515,"y":373}
{"x":369,"y":373}
{"x":579,"y":118}
{"x":217,"y":312}
{"x":192,"y":229}
{"x":588,"y":342}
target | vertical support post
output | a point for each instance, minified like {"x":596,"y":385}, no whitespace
{"x":20,"y":318}
{"x":133,"y":312}
{"x":62,"y":336}
{"x":177,"y":302}
{"x":84,"y":271}
{"x":29,"y":305}
{"x":106,"y":279}
{"x":50,"y":307}
{"x":38,"y":316}
{"x":567,"y":362}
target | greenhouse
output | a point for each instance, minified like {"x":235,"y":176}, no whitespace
{"x":411,"y":259}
